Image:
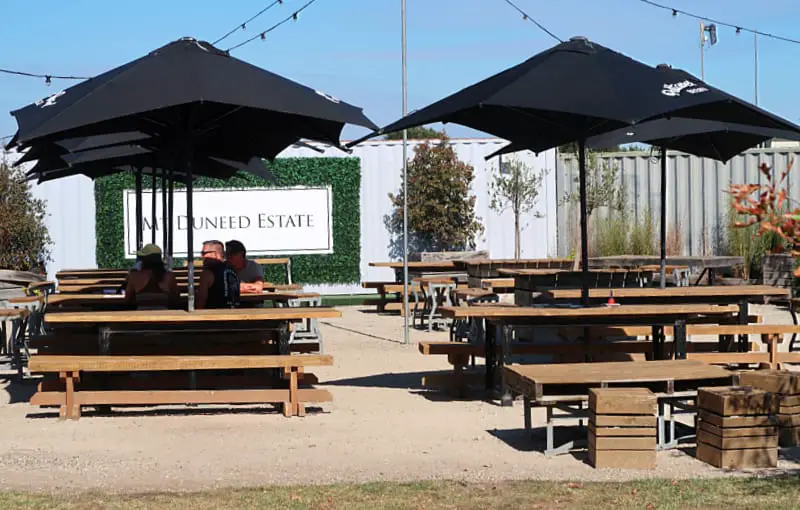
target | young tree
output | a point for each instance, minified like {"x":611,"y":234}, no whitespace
{"x":24,"y":241}
{"x":441,"y":211}
{"x":602,"y":190}
{"x":516,"y":188}
{"x":416,"y":133}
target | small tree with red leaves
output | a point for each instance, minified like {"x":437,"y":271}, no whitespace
{"x":767,"y":205}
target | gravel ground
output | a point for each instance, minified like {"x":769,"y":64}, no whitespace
{"x":382,"y":425}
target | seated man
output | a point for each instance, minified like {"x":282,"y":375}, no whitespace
{"x":218,"y":286}
{"x":249,"y":272}
{"x":150,"y":286}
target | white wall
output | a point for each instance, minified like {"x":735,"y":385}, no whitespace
{"x":71,"y":207}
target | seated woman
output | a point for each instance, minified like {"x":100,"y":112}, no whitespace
{"x":151,"y":287}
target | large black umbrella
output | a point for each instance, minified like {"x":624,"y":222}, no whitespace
{"x":704,"y":138}
{"x":576,"y":90}
{"x":190,"y":95}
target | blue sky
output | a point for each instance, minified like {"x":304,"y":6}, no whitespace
{"x":351,"y":48}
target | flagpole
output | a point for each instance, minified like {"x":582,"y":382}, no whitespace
{"x":406,"y":339}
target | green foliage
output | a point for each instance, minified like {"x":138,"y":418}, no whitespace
{"x":516,"y":188}
{"x":746,"y":242}
{"x":24,"y":240}
{"x":342,"y":174}
{"x":440,"y":209}
{"x":602,"y":186}
{"x":416,"y":133}
{"x":623,"y":234}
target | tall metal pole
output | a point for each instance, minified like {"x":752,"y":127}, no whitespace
{"x":755,"y":64}
{"x":663,"y":217}
{"x":169,"y":226}
{"x":189,"y":228}
{"x":702,"y":51}
{"x":584,"y":223}
{"x":406,"y":338}
{"x":164,"y":233}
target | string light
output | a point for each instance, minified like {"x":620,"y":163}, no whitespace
{"x":243,"y":25}
{"x":527,"y":17}
{"x":48,"y":78}
{"x":263,"y":35}
{"x":739,"y":28}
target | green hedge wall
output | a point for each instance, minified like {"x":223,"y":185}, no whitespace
{"x":342,"y":174}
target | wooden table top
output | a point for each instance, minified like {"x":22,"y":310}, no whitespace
{"x":198,"y":316}
{"x":733,"y":291}
{"x":434,"y":264}
{"x":649,"y":260}
{"x":57,"y":299}
{"x":621,"y":311}
{"x":634,"y":371}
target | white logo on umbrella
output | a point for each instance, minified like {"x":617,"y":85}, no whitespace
{"x":328,"y":97}
{"x":675,"y":89}
{"x":49,"y":100}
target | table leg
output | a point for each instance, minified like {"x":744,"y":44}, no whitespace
{"x":744,"y":316}
{"x":793,"y":312}
{"x":489,"y":345}
{"x":700,"y":278}
{"x":679,"y":339}
{"x":712,"y":275}
{"x":505,"y":350}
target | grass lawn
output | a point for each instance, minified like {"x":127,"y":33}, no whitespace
{"x":723,"y":493}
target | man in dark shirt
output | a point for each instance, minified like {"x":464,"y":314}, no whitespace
{"x":218,"y":286}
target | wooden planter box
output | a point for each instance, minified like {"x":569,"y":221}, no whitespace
{"x":778,"y":270}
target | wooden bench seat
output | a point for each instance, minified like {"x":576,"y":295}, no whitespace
{"x":71,"y":367}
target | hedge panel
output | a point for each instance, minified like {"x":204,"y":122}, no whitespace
{"x":342,"y":174}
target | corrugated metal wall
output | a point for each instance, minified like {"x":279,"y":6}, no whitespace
{"x":696,"y":200}
{"x":71,"y":207}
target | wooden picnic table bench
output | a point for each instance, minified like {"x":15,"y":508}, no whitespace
{"x":657,"y":317}
{"x":72,"y":370}
{"x":390,"y":295}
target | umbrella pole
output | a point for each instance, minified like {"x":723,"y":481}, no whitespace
{"x":663,"y":217}
{"x":170,"y":202}
{"x":139,"y":226}
{"x":164,"y":209}
{"x":153,"y":213}
{"x":584,"y":228}
{"x":189,"y":229}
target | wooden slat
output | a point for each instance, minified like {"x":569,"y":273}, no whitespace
{"x":622,"y":459}
{"x":728,"y":358}
{"x":13,"y":313}
{"x":497,"y":283}
{"x":736,"y":400}
{"x":173,"y":397}
{"x":622,"y":431}
{"x":611,"y":420}
{"x":622,"y":401}
{"x":743,"y":291}
{"x":60,"y":363}
{"x":180,"y":316}
{"x":777,"y":381}
{"x":736,"y":421}
{"x":738,"y":431}
{"x":737,"y":459}
{"x":621,"y":443}
{"x":509,"y":311}
{"x":443,"y":264}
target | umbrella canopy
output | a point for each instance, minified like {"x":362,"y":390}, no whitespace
{"x":579,"y":89}
{"x":574,"y":91}
{"x":185,"y":89}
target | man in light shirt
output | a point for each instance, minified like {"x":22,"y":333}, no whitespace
{"x":250,"y":273}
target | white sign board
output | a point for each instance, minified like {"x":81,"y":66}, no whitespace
{"x":268,"y":221}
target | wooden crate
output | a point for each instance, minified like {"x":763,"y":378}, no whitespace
{"x":622,"y":459}
{"x":737,"y":401}
{"x":776,"y":381}
{"x":737,"y":459}
{"x":622,"y":401}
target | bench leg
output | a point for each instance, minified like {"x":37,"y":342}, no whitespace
{"x":772,"y":348}
{"x":69,"y":410}
{"x":292,"y":407}
{"x":526,"y":406}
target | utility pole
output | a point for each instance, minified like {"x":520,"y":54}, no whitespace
{"x":406,"y":339}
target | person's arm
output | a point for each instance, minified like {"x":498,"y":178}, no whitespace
{"x":205,"y":283}
{"x":130,"y":291}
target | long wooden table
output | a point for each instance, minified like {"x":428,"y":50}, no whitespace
{"x":702,"y":264}
{"x":657,"y":317}
{"x":117,"y":301}
{"x":69,"y":288}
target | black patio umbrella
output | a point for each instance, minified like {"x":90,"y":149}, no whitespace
{"x":576,"y":90}
{"x":190,"y":94}
{"x":703,"y":138}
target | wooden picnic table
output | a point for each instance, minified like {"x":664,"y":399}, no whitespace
{"x":702,"y":265}
{"x":505,"y":317}
{"x":565,"y":386}
{"x":433,"y":265}
{"x":68,"y":288}
{"x":117,"y":301}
